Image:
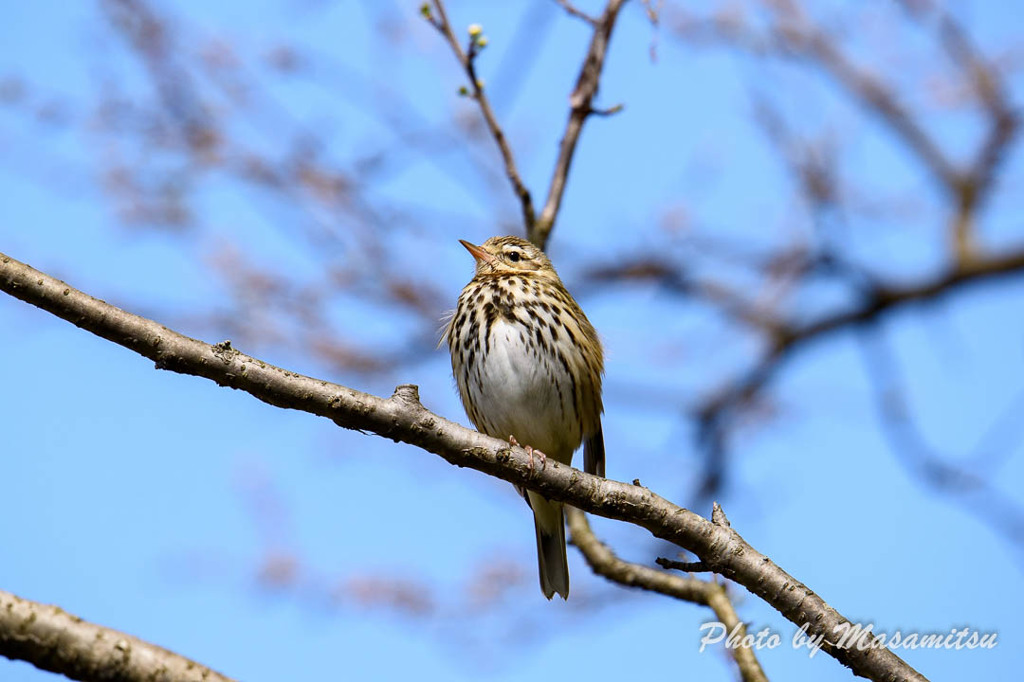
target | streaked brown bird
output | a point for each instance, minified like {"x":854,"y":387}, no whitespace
{"x":528,"y":364}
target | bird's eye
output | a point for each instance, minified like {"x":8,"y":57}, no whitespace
{"x":514,"y":256}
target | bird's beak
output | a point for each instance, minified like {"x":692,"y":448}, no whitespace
{"x":478,"y":253}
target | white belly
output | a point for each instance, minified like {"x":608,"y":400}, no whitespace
{"x":519,"y":391}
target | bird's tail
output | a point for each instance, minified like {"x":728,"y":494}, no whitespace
{"x":550,"y":525}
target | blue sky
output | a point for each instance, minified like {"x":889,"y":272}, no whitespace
{"x":148,"y":501}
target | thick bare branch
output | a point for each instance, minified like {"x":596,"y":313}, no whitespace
{"x":402,"y":418}
{"x":52,"y":639}
{"x":605,"y":563}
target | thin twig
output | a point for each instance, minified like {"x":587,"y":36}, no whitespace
{"x":467,"y":59}
{"x":796,"y":38}
{"x":963,"y":484}
{"x":538,"y":228}
{"x":967,"y":188}
{"x":988,"y":84}
{"x":575,"y":11}
{"x":580,"y":107}
{"x":1004,"y":121}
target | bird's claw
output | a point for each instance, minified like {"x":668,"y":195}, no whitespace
{"x":531,"y":452}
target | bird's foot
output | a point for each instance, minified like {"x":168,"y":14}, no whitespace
{"x":532,"y":453}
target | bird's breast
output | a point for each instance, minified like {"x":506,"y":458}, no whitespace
{"x":516,"y":380}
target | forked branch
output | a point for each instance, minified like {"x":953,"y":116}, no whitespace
{"x":538,"y":228}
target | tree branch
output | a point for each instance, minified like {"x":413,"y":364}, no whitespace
{"x":962,"y":483}
{"x":467,"y":60}
{"x":879,"y":300}
{"x":403,"y":419}
{"x":52,"y":639}
{"x":538,"y":228}
{"x":603,"y":562}
{"x":794,"y":35}
{"x":786,"y":338}
{"x":574,"y":11}
{"x":581,"y":106}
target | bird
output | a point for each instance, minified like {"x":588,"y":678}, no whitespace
{"x":528,"y":365}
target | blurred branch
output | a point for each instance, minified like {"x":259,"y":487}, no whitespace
{"x":573,"y":11}
{"x":972,"y":491}
{"x":812,"y":164}
{"x":789,"y":31}
{"x":783,"y":337}
{"x":714,"y":413}
{"x":975,"y":183}
{"x":52,"y":639}
{"x":877,"y":297}
{"x":603,"y":562}
{"x":677,"y":280}
{"x":794,"y":35}
{"x":403,"y":418}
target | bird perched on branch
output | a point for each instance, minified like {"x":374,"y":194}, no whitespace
{"x":528,"y":365}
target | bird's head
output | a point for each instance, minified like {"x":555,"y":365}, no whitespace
{"x":509,"y":255}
